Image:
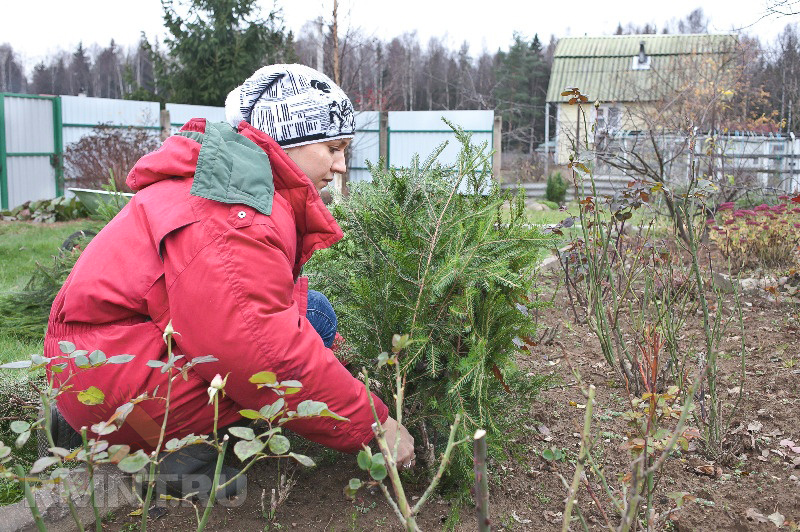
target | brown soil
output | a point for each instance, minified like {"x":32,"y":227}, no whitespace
{"x":527,"y":492}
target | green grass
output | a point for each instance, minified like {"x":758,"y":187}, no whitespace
{"x":22,"y":246}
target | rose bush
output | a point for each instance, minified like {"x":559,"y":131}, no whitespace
{"x":766,"y":236}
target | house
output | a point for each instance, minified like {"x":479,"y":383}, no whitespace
{"x":624,"y":75}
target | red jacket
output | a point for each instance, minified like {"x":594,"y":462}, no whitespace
{"x":226,"y":275}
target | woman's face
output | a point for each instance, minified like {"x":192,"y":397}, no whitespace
{"x":320,"y":160}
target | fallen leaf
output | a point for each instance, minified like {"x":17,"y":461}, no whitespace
{"x":709,"y":470}
{"x":754,"y":426}
{"x":518,"y":519}
{"x":753,"y":515}
{"x":777,"y":519}
{"x":791,"y":445}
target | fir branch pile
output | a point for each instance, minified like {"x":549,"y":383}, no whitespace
{"x":439,"y":253}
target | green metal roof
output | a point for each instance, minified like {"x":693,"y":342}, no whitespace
{"x":601,"y":67}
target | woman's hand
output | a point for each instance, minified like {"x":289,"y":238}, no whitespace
{"x":405,"y":450}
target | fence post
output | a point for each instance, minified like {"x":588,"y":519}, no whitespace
{"x":497,"y":139}
{"x":58,"y":145}
{"x":3,"y":165}
{"x":166,"y":126}
{"x":383,"y":138}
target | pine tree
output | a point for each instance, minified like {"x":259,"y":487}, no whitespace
{"x":216,"y":46}
{"x":435,"y":252}
{"x":522,"y":78}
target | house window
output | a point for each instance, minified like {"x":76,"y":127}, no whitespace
{"x":609,"y":118}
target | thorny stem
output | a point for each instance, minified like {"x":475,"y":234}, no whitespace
{"x":451,"y":444}
{"x":579,"y":466}
{"x":48,"y":431}
{"x":391,"y":465}
{"x":152,"y":474}
{"x":37,"y":517}
{"x":393,"y":504}
{"x":98,"y":523}
{"x":212,"y":495}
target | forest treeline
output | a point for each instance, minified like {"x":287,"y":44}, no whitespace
{"x":214,"y":44}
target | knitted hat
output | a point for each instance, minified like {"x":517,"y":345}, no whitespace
{"x":293,"y":104}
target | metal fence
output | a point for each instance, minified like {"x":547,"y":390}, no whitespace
{"x":35,"y":130}
{"x":746,"y":161}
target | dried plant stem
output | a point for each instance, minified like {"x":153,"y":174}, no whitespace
{"x":579,"y":466}
{"x":481,"y":481}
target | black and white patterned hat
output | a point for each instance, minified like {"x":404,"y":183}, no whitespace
{"x":293,"y":104}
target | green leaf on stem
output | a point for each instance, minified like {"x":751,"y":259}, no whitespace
{"x":43,"y":463}
{"x":364,"y":460}
{"x":22,"y":439}
{"x":270,"y":411}
{"x":117,"y":452}
{"x":91,"y":396}
{"x":20,"y":426}
{"x":309,"y":408}
{"x":120,"y":359}
{"x":249,"y":414}
{"x":244,"y":449}
{"x":245,"y":433}
{"x":264,"y":377}
{"x":303,"y":459}
{"x":134,"y":462}
{"x":66,"y":347}
{"x":279,"y":444}
{"x":377,"y":471}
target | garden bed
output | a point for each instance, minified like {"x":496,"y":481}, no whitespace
{"x":526,"y":491}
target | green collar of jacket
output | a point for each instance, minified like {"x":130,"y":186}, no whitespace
{"x":231,"y":168}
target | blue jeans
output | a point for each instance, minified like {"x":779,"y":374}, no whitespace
{"x":322,"y":317}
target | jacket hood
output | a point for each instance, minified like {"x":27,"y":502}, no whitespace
{"x":242,"y":166}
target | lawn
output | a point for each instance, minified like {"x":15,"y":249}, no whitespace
{"x":22,"y":246}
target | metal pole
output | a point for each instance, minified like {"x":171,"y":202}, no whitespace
{"x":58,"y":145}
{"x":497,"y":146}
{"x":3,"y":161}
{"x":546,"y":139}
{"x":383,"y":138}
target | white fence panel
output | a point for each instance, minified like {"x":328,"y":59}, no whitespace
{"x":180,"y":113}
{"x":30,"y":179}
{"x":29,"y":145}
{"x":29,"y":125}
{"x":79,"y":114}
{"x":365,"y":146}
{"x":421,"y":132}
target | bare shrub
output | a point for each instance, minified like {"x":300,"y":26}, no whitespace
{"x":108,"y":152}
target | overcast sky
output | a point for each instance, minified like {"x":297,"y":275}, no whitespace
{"x":42,"y":27}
